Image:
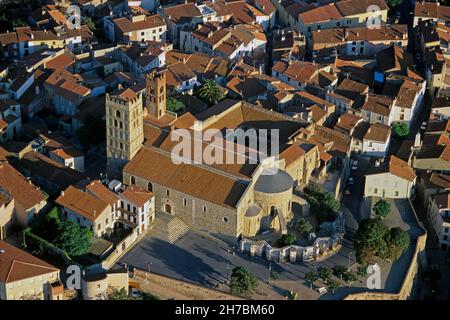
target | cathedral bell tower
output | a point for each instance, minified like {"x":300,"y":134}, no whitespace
{"x":156,"y":93}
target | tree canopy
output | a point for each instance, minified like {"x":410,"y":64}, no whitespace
{"x":382,"y":208}
{"x":311,"y":276}
{"x":373,"y":238}
{"x":304,"y":226}
{"x":323,"y":204}
{"x":73,"y":239}
{"x":174,"y":105}
{"x":118,"y":294}
{"x":242,"y":282}
{"x":210,"y":92}
{"x":400,"y":129}
{"x":286,"y":240}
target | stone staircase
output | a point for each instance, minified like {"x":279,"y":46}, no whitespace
{"x":283,"y":224}
{"x":168,"y":228}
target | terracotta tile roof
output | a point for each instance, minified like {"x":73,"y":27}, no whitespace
{"x":407,"y":93}
{"x":187,"y":120}
{"x":348,"y":122}
{"x":431,"y":10}
{"x":378,"y":132}
{"x":378,"y":104}
{"x":100,"y":191}
{"x":17,"y":264}
{"x":292,"y":153}
{"x":265,"y":6}
{"x":341,"y":142}
{"x":354,"y":7}
{"x":393,"y":58}
{"x":60,"y":62}
{"x":340,"y":35}
{"x":396,"y":167}
{"x":320,"y":14}
{"x":136,"y":195}
{"x":442,"y":200}
{"x":82,"y":203}
{"x":158,"y":167}
{"x":243,"y":13}
{"x":182,"y":13}
{"x":440,"y":180}
{"x":246,"y":88}
{"x":143,"y":22}
{"x":22,"y":190}
{"x":301,"y":71}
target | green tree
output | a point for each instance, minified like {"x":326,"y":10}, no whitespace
{"x":370,"y":238}
{"x":382,"y":208}
{"x":398,"y":242}
{"x":324,"y":273}
{"x":242,"y":282}
{"x":361,"y":271}
{"x":90,"y":23}
{"x":174,"y":105}
{"x":304,"y":226}
{"x":400,"y":129}
{"x":338,"y":271}
{"x":118,"y":294}
{"x":287,"y":240}
{"x":323,"y":204}
{"x":332,"y":286}
{"x":349,"y":277}
{"x":210,"y":92}
{"x":312,"y":277}
{"x":73,"y":239}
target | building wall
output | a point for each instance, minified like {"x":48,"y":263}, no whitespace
{"x":375,"y":148}
{"x":125,"y":130}
{"x":387,"y":185}
{"x":99,"y":226}
{"x":441,"y":228}
{"x":216,"y":219}
{"x":35,"y":287}
{"x":6,"y":218}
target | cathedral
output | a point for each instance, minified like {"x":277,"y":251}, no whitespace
{"x":233,"y":200}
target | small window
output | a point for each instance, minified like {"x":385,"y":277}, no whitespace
{"x":167,"y":192}
{"x":204,"y":209}
{"x":149,"y":187}
{"x":117,"y":113}
{"x":225,"y":219}
{"x":184,"y":202}
{"x":132,"y":180}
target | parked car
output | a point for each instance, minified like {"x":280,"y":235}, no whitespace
{"x":423,"y":126}
{"x":351,"y":181}
{"x":135,"y":293}
{"x":355,"y":165}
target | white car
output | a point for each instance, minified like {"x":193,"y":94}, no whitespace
{"x":355,"y":165}
{"x":423,"y":126}
{"x":351,"y":181}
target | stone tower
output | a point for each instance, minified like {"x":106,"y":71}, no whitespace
{"x":156,"y":93}
{"x":124,"y":128}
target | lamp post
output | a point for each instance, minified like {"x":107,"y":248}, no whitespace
{"x":149,"y":263}
{"x":270,"y":269}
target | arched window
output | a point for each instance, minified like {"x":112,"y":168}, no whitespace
{"x":132,"y":180}
{"x":204,"y":209}
{"x":225,"y":219}
{"x":149,"y":187}
{"x":117,"y":113}
{"x":167,"y":192}
{"x":184,"y":202}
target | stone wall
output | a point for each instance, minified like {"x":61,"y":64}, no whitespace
{"x":216,"y":218}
